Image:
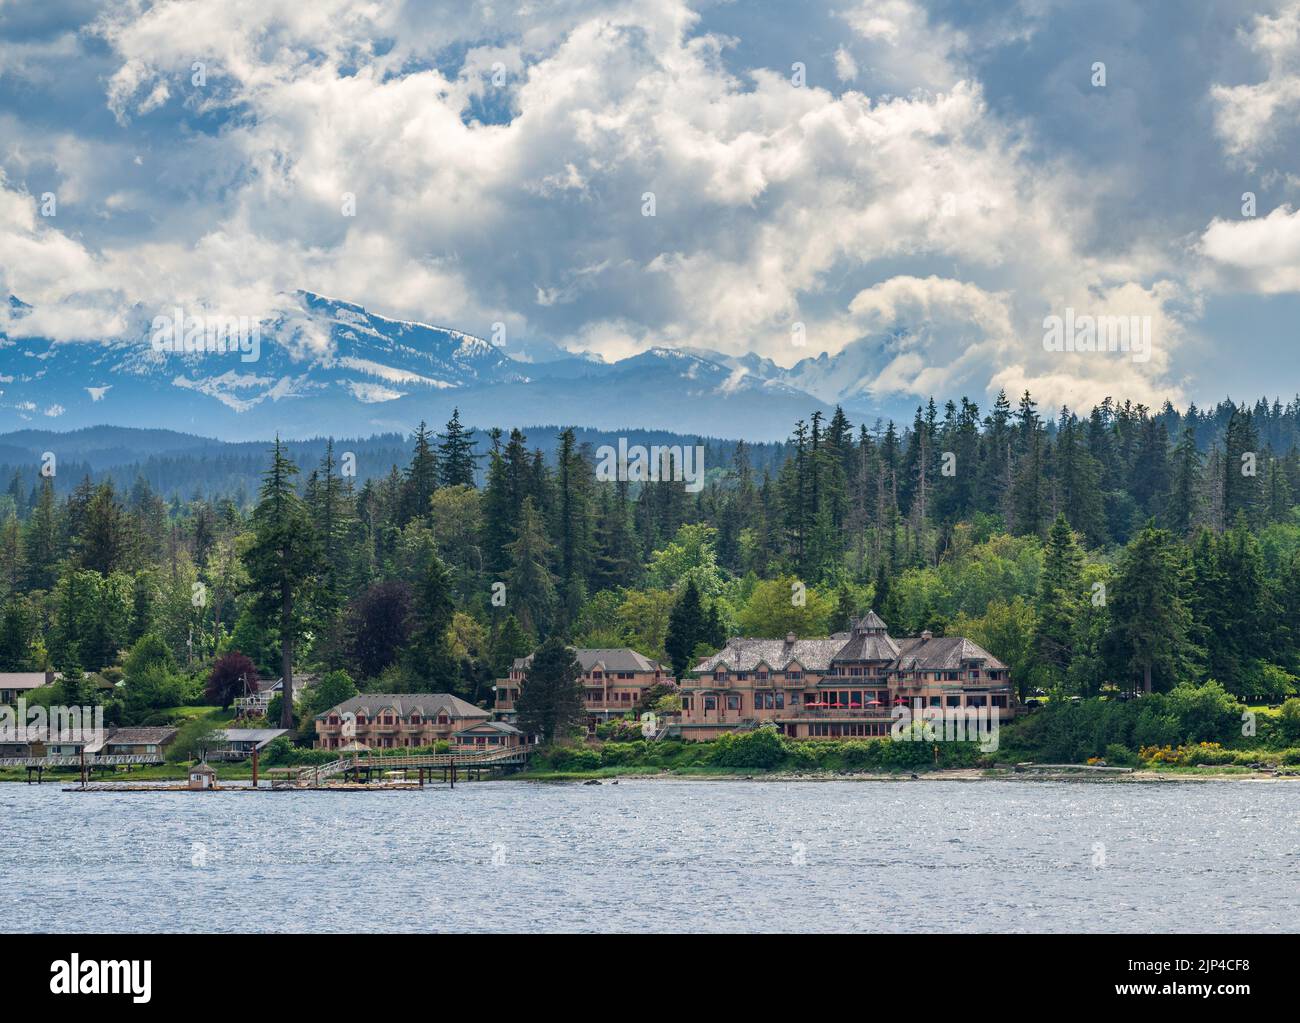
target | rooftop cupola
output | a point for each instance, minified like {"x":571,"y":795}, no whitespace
{"x":870,"y":624}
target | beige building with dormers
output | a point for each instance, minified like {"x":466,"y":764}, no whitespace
{"x":613,"y":682}
{"x":843,"y":686}
{"x":396,"y":720}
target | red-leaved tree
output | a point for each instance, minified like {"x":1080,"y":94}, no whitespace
{"x":229,"y":675}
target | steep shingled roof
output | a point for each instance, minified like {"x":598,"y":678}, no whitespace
{"x":869,"y":641}
{"x":868,"y":646}
{"x":942,"y":653}
{"x":742,"y":654}
{"x":153,"y":736}
{"x":612,"y":658}
{"x":404,"y":704}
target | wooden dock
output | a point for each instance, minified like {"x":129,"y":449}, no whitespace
{"x":359,"y":772}
{"x":450,"y":767}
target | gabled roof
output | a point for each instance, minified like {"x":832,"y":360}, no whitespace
{"x":24,"y":679}
{"x":491,"y":726}
{"x":620,"y":658}
{"x":942,"y":653}
{"x":260,"y":736}
{"x":140,"y":736}
{"x":744,"y":654}
{"x":405,"y":704}
{"x":868,"y":641}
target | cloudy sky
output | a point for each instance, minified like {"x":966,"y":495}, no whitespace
{"x":857,"y":168}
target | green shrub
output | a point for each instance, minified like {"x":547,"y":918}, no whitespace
{"x":1119,"y":755}
{"x":761,"y":748}
{"x":1288,"y":721}
{"x":618,"y":754}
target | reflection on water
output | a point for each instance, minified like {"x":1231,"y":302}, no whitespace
{"x":658,"y":855}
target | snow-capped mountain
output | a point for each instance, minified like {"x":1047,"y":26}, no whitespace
{"x":327,"y":366}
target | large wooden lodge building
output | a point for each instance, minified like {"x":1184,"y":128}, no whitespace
{"x":843,"y":686}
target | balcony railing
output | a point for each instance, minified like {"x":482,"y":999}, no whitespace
{"x":879,"y":713}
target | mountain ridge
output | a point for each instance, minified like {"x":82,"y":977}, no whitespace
{"x":330,"y":366}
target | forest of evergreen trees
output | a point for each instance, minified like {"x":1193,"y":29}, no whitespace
{"x":1124,"y":549}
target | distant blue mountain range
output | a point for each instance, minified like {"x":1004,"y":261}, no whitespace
{"x":334,"y":368}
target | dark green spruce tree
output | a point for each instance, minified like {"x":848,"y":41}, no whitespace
{"x":550,"y":699}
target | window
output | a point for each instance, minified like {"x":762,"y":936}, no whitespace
{"x":443,"y":719}
{"x":415,"y":719}
{"x":733,"y":701}
{"x":710,"y":703}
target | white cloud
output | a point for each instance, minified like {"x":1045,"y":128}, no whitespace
{"x":1260,"y":254}
{"x":846,"y":68}
{"x":775,"y":205}
{"x":1248,"y":116}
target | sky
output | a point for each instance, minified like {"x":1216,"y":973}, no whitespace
{"x":949,"y":175}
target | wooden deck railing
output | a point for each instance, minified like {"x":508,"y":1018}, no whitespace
{"x":310,"y":773}
{"x":75,"y":760}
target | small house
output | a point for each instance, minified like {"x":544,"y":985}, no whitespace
{"x":240,"y":743}
{"x":140,"y":742}
{"x":487,"y":736}
{"x":202,"y":777}
{"x":16,"y":685}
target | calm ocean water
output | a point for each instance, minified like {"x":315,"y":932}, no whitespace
{"x":658,"y":855}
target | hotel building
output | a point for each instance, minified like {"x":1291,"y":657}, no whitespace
{"x":843,"y":686}
{"x":613,"y":682}
{"x":394,"y":720}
